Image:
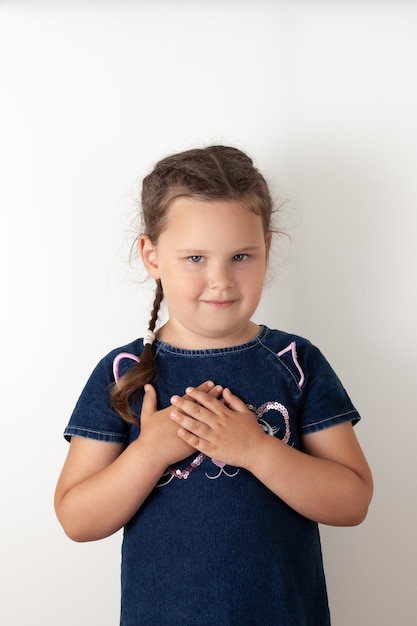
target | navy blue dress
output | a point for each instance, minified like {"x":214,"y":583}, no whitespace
{"x":212,"y":544}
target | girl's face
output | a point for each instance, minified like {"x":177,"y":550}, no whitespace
{"x":211,"y":259}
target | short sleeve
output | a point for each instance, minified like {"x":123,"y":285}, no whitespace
{"x":93,"y":417}
{"x":324,"y":400}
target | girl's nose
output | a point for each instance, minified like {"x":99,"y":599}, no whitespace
{"x":220,"y":276}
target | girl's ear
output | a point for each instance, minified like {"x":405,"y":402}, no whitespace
{"x":149,"y":256}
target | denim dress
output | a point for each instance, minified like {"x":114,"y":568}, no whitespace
{"x":211,"y":545}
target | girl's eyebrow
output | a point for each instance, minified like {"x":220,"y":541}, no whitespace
{"x":203,"y":250}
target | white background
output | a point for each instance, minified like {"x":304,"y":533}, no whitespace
{"x":323,"y":96}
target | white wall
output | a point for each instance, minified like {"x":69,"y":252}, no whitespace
{"x":323,"y":95}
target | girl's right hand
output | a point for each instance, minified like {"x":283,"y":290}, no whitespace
{"x":160,"y":433}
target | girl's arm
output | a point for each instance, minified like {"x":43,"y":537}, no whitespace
{"x":329,"y":481}
{"x":102,"y":484}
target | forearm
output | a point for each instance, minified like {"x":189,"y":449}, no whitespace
{"x":104,"y":502}
{"x":320,"y":489}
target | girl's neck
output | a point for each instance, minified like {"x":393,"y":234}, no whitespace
{"x":180,"y":338}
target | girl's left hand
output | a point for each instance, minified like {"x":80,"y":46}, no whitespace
{"x":224,"y":429}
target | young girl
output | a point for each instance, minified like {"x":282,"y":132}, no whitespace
{"x":218,"y":444}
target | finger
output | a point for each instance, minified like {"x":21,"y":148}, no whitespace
{"x":149,"y":400}
{"x":194,"y":440}
{"x":233,"y":402}
{"x":184,"y":406}
{"x":199,"y":429}
{"x":208,"y":401}
{"x":210,"y":388}
{"x":216,"y":391}
{"x":206,"y":385}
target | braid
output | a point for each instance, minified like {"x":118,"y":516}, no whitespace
{"x":131,"y":383}
{"x":159,"y":296}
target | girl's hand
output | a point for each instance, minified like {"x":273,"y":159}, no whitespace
{"x":329,"y":481}
{"x":160,"y":434}
{"x":224,"y":429}
{"x":102,"y":485}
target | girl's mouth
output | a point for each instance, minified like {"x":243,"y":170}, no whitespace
{"x":219,"y":304}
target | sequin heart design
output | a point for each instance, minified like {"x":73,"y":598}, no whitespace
{"x":260,"y":413}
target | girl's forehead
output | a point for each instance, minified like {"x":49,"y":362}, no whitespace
{"x":192,"y":209}
{"x":219,"y":223}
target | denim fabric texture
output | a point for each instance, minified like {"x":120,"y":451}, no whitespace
{"x":211,"y":544}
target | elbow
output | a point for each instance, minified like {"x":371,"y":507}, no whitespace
{"x":73,"y":526}
{"x":361,"y":500}
{"x":366,"y":498}
{"x":72,"y":530}
{"x":354,"y":516}
{"x":77,"y":532}
{"x":358,"y":510}
{"x":357,"y":517}
{"x":362,"y":512}
{"x":78,"y":526}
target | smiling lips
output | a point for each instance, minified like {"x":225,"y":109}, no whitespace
{"x":219,"y":304}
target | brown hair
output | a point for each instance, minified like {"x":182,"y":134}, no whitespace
{"x":211,"y":173}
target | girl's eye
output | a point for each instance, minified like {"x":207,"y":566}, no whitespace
{"x":195,"y":258}
{"x":240,"y":257}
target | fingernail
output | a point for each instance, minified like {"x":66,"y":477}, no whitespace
{"x":174,"y":399}
{"x":189,"y":389}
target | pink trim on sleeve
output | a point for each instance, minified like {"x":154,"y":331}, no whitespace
{"x":293,"y":349}
{"x":118,"y":358}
